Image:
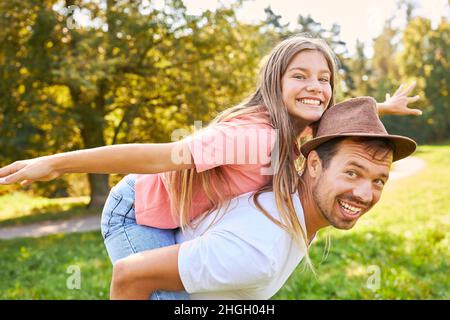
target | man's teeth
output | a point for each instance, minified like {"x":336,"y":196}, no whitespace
{"x":310,"y":101}
{"x":348,"y":208}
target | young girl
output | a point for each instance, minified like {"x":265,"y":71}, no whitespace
{"x":168,"y":189}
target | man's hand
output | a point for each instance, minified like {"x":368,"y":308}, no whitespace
{"x":398,"y":103}
{"x":28,"y":171}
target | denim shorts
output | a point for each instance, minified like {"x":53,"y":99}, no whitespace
{"x":124,"y":237}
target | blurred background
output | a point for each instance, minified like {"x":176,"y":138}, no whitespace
{"x":89,"y":73}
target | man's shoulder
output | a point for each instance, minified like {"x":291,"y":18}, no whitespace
{"x":242,"y":218}
{"x":267,"y":201}
{"x":243,"y":211}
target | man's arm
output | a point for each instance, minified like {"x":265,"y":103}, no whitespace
{"x":215,"y":261}
{"x":138,"y":275}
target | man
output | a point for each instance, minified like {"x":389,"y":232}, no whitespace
{"x":242,"y":254}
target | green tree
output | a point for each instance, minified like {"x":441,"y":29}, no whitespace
{"x":129,"y":74}
{"x":384,"y":66}
{"x":360,"y":72}
{"x":424,"y":56}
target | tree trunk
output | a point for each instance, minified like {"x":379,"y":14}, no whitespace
{"x":92,"y":124}
{"x":99,"y":190}
{"x":92,"y":133}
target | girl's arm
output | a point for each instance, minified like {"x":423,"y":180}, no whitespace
{"x":138,"y":275}
{"x":122,"y":159}
{"x":398,"y":103}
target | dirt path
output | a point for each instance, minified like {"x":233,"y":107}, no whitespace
{"x":406,"y":167}
{"x":401,"y":169}
{"x":40,"y":229}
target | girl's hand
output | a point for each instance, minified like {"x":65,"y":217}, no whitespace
{"x":398,"y":103}
{"x":28,"y":171}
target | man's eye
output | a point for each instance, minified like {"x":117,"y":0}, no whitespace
{"x":380,"y":182}
{"x":351,"y":174}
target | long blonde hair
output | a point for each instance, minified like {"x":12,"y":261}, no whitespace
{"x":267,"y":97}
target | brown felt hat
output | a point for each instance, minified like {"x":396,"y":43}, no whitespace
{"x":357,"y":117}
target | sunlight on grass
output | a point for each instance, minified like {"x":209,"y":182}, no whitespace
{"x":20,"y":208}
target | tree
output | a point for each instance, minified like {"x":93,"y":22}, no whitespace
{"x":128,"y":74}
{"x":360,"y":73}
{"x":424,"y":57}
{"x":385,"y":70}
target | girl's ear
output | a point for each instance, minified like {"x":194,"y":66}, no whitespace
{"x":314,"y":164}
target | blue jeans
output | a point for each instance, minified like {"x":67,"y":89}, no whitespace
{"x":124,"y":237}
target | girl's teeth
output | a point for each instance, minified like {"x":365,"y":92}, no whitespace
{"x":310,"y":101}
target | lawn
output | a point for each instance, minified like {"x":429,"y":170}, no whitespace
{"x":19,"y":208}
{"x":400,"y":250}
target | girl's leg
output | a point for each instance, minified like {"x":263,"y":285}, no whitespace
{"x":123,"y":236}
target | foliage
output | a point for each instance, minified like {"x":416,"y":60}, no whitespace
{"x":134,"y":71}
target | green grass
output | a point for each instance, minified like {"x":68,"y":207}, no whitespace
{"x":405,"y":236}
{"x":39,"y":268}
{"x":19,"y":208}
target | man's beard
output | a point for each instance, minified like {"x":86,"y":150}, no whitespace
{"x":320,"y":200}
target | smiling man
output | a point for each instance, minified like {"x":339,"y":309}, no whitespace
{"x":242,"y":253}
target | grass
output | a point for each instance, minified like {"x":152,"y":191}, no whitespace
{"x":19,"y":208}
{"x":404,"y":239}
{"x":42,"y":268}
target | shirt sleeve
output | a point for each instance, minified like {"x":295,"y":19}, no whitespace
{"x":219,"y":261}
{"x":230,"y":144}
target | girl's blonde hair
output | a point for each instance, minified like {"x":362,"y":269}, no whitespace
{"x":267,"y":97}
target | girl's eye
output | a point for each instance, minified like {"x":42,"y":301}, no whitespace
{"x":299,"y":76}
{"x":324,"y":79}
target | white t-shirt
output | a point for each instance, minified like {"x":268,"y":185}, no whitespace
{"x":243,"y":255}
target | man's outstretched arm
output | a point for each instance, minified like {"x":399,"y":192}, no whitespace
{"x":137,"y":276}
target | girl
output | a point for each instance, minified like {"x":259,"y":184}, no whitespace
{"x":172,"y":183}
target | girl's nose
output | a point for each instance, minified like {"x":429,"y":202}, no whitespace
{"x":314,"y":86}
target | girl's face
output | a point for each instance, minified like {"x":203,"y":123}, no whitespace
{"x":306,"y":87}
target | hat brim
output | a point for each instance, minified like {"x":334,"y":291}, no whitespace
{"x":404,"y":146}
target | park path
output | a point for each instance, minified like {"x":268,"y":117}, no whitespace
{"x":402,"y":168}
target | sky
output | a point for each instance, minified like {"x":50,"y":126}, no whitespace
{"x":359,"y":19}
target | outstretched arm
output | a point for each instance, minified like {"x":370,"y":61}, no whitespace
{"x":398,"y":103}
{"x":123,"y":158}
{"x":137,"y":276}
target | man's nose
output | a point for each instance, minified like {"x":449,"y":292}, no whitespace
{"x":364,"y":192}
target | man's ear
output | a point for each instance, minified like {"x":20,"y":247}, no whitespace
{"x":314,"y":164}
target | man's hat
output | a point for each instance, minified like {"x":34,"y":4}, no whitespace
{"x":357,"y":117}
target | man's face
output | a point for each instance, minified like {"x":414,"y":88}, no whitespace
{"x":351,"y":184}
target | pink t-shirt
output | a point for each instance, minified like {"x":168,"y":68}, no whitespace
{"x":241,"y":146}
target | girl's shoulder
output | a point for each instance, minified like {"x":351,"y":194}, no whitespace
{"x":259,"y":118}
